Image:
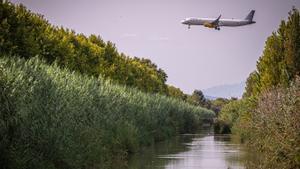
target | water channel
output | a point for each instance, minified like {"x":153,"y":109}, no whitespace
{"x":191,"y":151}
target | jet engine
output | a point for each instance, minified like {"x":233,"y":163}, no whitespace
{"x":209,"y":25}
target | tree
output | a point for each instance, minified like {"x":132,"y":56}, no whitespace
{"x":218,"y":104}
{"x":176,"y":93}
{"x":280,"y":62}
{"x":252,"y":85}
{"x":292,"y":43}
{"x":198,"y":99}
{"x":97,"y":40}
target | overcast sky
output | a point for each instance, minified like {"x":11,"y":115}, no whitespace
{"x":195,"y":58}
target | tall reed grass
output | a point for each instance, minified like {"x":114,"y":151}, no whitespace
{"x":54,"y":118}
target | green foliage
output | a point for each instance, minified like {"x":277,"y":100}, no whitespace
{"x":235,"y":117}
{"x":270,"y":125}
{"x":291,"y":32}
{"x":52,"y":118}
{"x":252,"y":85}
{"x":7,"y":122}
{"x":218,"y":104}
{"x":268,"y":115}
{"x":227,"y":112}
{"x":176,"y":93}
{"x":280,"y":62}
{"x":275,"y":128}
{"x":198,"y":99}
{"x":25,"y":34}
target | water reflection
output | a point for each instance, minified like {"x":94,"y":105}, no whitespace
{"x":194,"y":151}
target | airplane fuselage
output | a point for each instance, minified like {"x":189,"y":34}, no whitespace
{"x":216,"y":23}
{"x":222,"y":22}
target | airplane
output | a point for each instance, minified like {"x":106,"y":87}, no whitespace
{"x":217,"y":23}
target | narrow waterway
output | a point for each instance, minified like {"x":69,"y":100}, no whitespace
{"x":191,"y":151}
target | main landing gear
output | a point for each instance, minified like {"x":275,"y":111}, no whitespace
{"x":217,"y":28}
{"x":189,"y":26}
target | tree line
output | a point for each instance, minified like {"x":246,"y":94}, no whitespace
{"x":267,"y":117}
{"x":26,"y":34}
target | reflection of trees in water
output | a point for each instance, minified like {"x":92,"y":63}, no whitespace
{"x":222,"y":137}
{"x":191,"y":149}
{"x":147,"y":158}
{"x":234,"y":153}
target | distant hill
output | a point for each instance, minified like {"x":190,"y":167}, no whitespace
{"x":225,"y":91}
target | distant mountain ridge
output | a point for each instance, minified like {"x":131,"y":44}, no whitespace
{"x":225,"y":91}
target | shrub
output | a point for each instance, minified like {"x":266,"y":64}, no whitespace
{"x":275,"y":128}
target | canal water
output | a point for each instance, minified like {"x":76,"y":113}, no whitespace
{"x":191,"y":151}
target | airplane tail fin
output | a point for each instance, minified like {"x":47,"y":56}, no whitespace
{"x":250,"y":15}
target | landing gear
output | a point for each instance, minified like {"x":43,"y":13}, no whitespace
{"x":189,"y":26}
{"x":217,"y":28}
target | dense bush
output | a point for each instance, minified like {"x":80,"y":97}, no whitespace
{"x":269,"y":124}
{"x":235,"y":117}
{"x":275,"y":128}
{"x":53,"y":118}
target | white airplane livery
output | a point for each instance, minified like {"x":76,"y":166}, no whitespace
{"x":216,"y":23}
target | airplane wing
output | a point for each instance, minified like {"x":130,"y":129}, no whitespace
{"x":216,"y":22}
